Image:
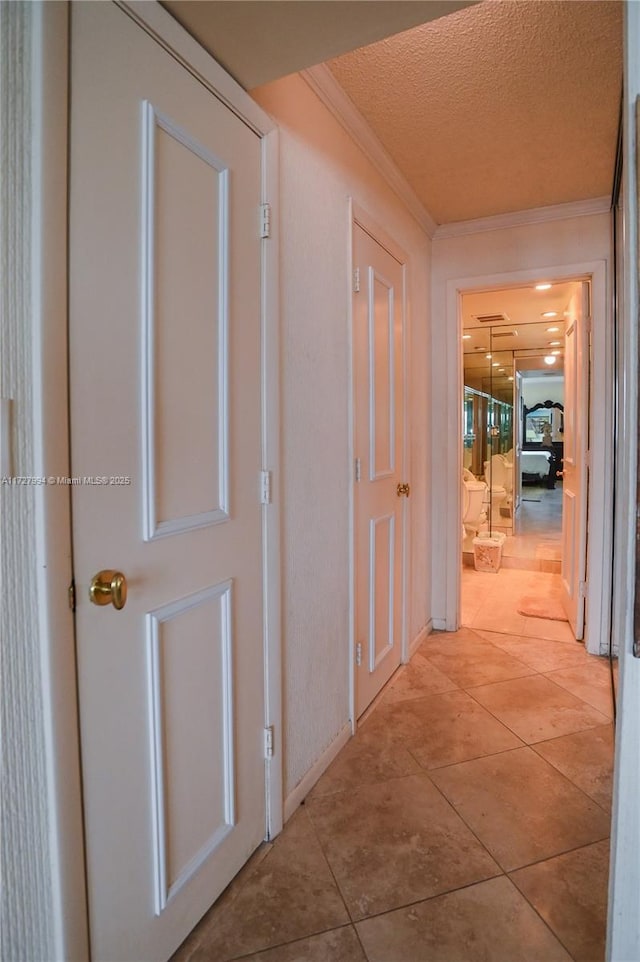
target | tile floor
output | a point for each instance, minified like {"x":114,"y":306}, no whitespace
{"x":537,"y":544}
{"x":467,"y":821}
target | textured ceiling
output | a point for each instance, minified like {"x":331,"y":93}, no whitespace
{"x":259,"y":40}
{"x":504,"y":106}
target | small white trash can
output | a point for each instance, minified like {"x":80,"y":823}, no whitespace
{"x":487,"y":551}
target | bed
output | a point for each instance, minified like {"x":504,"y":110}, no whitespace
{"x":534,"y":465}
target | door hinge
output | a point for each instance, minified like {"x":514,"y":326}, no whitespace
{"x":582,"y":589}
{"x":356,"y":281}
{"x":265,"y":487}
{"x":265,"y":220}
{"x":71,"y":595}
{"x":588,"y":325}
{"x":358,"y":653}
{"x":268,"y":742}
{"x":358,"y":469}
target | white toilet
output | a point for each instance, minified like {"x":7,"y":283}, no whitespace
{"x":499,"y":474}
{"x":474,"y":497}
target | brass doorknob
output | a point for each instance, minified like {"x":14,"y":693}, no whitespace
{"x":403,"y":489}
{"x":109,"y":587}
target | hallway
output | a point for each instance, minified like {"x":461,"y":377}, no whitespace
{"x":467,"y":820}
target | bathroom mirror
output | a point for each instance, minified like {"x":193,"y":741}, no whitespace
{"x":488,"y":419}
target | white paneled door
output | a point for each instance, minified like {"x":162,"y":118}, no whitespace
{"x":165,"y":316}
{"x":379,"y":476}
{"x":575,"y":470}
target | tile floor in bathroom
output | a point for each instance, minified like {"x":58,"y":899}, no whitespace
{"x":538,"y":542}
{"x":539,"y":529}
{"x":467,"y":820}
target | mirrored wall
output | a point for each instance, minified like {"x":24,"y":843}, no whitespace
{"x":488,"y":420}
{"x":513,"y":347}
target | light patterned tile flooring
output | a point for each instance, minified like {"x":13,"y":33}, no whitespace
{"x":467,"y":820}
{"x":537,"y":544}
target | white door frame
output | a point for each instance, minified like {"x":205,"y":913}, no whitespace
{"x":623,"y":929}
{"x":50,"y":173}
{"x":358,"y":215}
{"x":601,"y":420}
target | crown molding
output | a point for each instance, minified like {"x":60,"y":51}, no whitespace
{"x":327,"y":88}
{"x":524,"y":218}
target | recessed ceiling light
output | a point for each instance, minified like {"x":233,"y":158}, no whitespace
{"x":466,"y":337}
{"x":543,"y":287}
{"x":501,"y":370}
{"x":552,"y":330}
{"x":555,"y":353}
{"x":510,"y":379}
{"x":549,"y":359}
{"x":550,"y":314}
{"x":554,"y":343}
{"x":488,"y":356}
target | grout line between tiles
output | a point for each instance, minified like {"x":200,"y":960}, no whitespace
{"x":529,"y":902}
{"x":330,"y":867}
{"x":606,"y":811}
{"x":502,"y":751}
{"x":364,"y":951}
{"x":430,"y":898}
{"x":583,"y":700}
{"x":555,"y":934}
{"x":506,"y":871}
{"x":548,"y":858}
{"x":530,"y":744}
{"x":280,"y":945}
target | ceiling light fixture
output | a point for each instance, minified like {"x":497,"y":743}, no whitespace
{"x":488,"y":356}
{"x":555,"y":353}
{"x":552,"y":330}
{"x":510,"y":379}
{"x":543,"y":287}
{"x":549,"y":359}
{"x":550,"y":314}
{"x":495,"y":364}
{"x":555,"y":343}
{"x":466,"y":337}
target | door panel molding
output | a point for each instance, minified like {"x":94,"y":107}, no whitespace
{"x":186,"y":458}
{"x":169,"y":881}
{"x":376,"y":595}
{"x":377,"y":373}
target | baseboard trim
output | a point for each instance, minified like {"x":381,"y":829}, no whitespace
{"x":304,"y":786}
{"x":420,"y":637}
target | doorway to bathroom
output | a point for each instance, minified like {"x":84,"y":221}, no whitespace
{"x":517,"y":415}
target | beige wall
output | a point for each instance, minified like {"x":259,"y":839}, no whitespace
{"x":320,"y":168}
{"x":539,"y":390}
